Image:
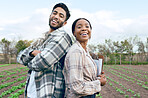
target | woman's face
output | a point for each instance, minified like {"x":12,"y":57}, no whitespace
{"x":82,"y":31}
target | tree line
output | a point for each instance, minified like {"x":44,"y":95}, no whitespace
{"x":10,"y":49}
{"x":128,"y":51}
{"x":114,"y":52}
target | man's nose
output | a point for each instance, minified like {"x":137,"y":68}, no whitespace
{"x":56,"y":16}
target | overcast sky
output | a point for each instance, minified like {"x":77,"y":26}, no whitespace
{"x":110,"y":19}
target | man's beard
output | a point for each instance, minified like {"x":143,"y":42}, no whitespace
{"x":58,"y":26}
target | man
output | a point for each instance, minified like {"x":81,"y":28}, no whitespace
{"x":45,"y":58}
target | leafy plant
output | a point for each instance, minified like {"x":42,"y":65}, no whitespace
{"x":126,"y":96}
{"x":137,"y":95}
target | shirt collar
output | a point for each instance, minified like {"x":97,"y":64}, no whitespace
{"x":87,"y":52}
{"x":55,"y":31}
{"x":58,"y":30}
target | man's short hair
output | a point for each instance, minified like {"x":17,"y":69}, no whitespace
{"x":62,"y":5}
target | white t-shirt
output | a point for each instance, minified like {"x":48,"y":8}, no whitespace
{"x":31,"y":89}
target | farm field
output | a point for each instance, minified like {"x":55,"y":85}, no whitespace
{"x":12,"y":80}
{"x":123,"y":81}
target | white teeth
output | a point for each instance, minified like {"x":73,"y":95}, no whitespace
{"x":84,"y":34}
{"x":53,"y":20}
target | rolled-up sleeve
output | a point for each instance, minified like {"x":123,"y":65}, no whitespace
{"x":23,"y":57}
{"x":74,"y":65}
{"x":54,"y":50}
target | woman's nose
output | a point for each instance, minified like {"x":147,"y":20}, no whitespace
{"x":84,"y":28}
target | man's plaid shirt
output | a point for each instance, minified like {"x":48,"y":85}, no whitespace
{"x":48,"y":64}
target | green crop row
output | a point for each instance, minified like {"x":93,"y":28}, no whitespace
{"x":16,"y":95}
{"x":12,"y":89}
{"x":4,"y":65}
{"x":10,"y":83}
{"x":124,"y":90}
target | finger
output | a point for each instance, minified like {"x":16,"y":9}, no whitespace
{"x":99,"y":75}
{"x":102,"y":72}
{"x":103,"y":76}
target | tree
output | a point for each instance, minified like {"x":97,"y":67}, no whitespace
{"x":111,"y":49}
{"x":92,"y":47}
{"x":5,"y":48}
{"x":141,"y":50}
{"x":146,"y":46}
{"x":120,"y":48}
{"x":22,"y":44}
{"x":132,"y":43}
{"x":103,"y":49}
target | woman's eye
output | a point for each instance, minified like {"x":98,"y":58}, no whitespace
{"x":87,"y":26}
{"x":79,"y":27}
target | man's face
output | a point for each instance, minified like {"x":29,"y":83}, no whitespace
{"x":57,"y":18}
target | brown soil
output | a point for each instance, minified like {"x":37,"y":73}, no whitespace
{"x":107,"y":90}
{"x":12,"y":68}
{"x":110,"y":91}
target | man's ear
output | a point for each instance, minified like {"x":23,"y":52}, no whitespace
{"x":65,"y":23}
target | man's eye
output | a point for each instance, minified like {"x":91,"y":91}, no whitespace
{"x":54,"y":13}
{"x":61,"y":16}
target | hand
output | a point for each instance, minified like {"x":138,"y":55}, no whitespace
{"x":35,"y":52}
{"x":101,"y":73}
{"x":103,"y":80}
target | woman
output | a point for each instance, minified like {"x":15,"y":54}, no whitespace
{"x":80,"y":70}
